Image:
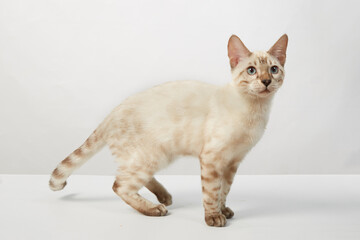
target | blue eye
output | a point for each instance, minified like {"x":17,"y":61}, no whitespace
{"x":274,"y":69}
{"x":251,"y":70}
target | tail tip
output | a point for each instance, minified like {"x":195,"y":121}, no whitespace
{"x":56,"y":186}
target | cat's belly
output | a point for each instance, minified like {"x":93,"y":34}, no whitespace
{"x":187,"y":138}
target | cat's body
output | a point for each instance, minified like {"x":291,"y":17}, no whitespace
{"x":217,"y":124}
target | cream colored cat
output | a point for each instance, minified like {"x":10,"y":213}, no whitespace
{"x":218,"y":124}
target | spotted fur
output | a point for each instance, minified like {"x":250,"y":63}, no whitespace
{"x":219,"y":125}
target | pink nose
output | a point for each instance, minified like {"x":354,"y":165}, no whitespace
{"x":266,"y":82}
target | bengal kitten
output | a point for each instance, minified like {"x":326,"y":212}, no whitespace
{"x":218,"y":124}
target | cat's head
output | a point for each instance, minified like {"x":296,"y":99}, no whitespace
{"x":259,"y":73}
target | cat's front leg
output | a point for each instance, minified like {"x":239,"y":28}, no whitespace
{"x":211,"y":177}
{"x":227,"y":180}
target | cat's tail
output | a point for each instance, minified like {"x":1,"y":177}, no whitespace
{"x":77,"y":158}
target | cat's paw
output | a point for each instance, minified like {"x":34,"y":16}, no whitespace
{"x":215,"y":219}
{"x":158,"y":210}
{"x":165,"y":199}
{"x":56,"y":187}
{"x":227,"y":212}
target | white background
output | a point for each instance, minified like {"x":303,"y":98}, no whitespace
{"x":65,"y":64}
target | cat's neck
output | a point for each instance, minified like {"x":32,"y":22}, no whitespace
{"x":251,"y":110}
{"x":249,"y":100}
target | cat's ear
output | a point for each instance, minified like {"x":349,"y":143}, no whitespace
{"x":279,"y":49}
{"x":236,"y":51}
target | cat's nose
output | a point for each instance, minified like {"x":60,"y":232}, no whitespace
{"x":266,"y":82}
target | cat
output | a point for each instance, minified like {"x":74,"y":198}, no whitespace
{"x":218,"y":124}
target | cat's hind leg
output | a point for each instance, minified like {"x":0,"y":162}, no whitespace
{"x":160,"y":192}
{"x":127,"y":185}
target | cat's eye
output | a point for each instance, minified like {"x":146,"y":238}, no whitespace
{"x":251,"y":70}
{"x":274,"y":70}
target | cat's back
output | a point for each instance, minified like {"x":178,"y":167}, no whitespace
{"x":165,"y":105}
{"x":176,"y":94}
{"x":178,"y":90}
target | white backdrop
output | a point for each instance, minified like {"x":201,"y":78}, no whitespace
{"x":65,"y":64}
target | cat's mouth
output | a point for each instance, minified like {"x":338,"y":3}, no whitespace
{"x":266,"y":91}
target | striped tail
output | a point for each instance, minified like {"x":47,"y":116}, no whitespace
{"x":77,"y":158}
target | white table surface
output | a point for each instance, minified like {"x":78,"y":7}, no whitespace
{"x":266,"y":207}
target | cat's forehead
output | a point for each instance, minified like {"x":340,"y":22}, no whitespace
{"x":261,"y":57}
